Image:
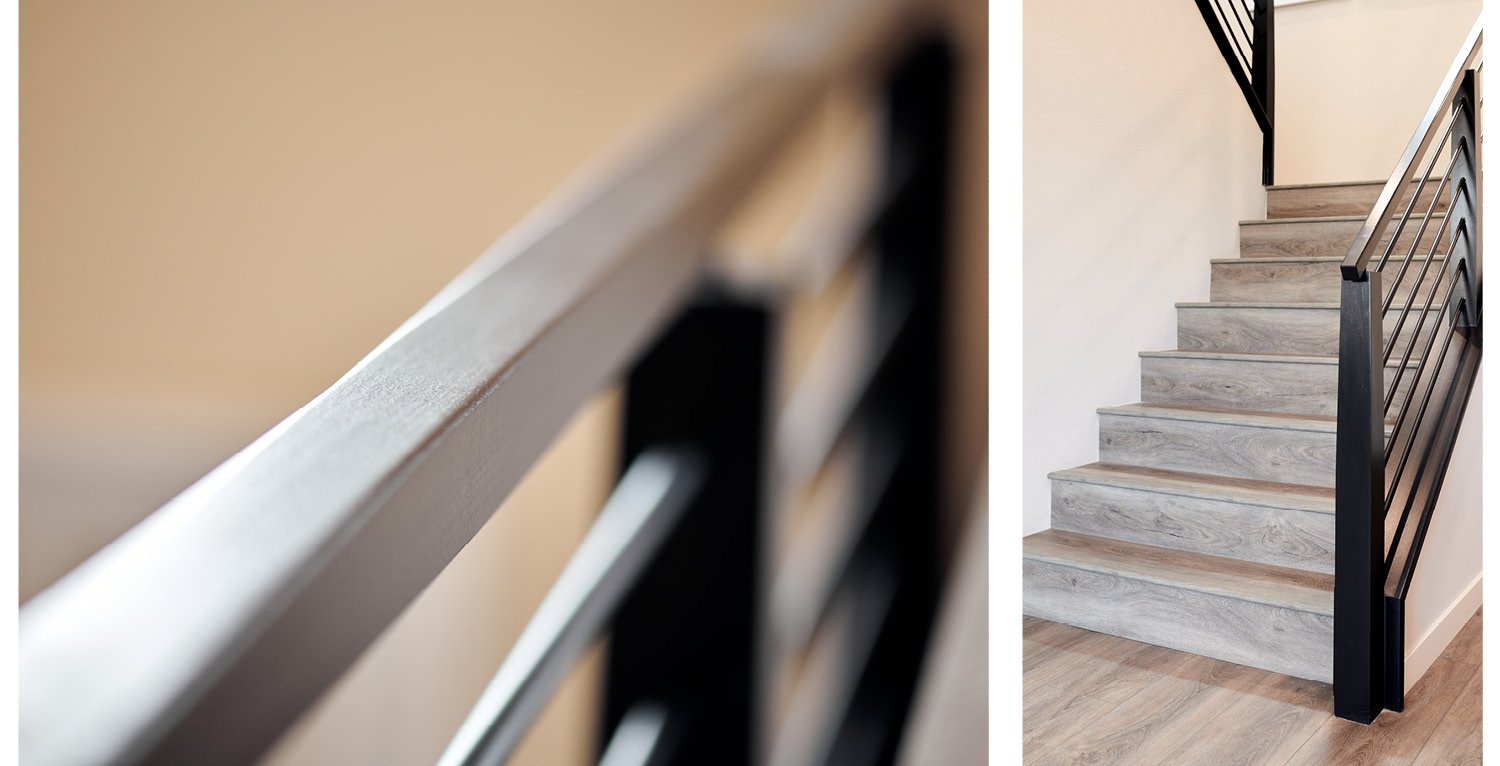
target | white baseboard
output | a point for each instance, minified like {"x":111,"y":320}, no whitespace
{"x":1426,"y":650}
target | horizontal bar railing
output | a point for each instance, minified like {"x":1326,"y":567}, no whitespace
{"x":1384,"y":501}
{"x":1370,"y":233}
{"x":804,"y":588}
{"x":639,"y":516}
{"x":1250,"y":53}
{"x":203,"y":633}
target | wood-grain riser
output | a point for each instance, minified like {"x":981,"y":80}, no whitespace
{"x":1288,"y":329}
{"x":1268,"y":535}
{"x":1277,"y":280}
{"x":1274,"y":638}
{"x":1304,"y":388}
{"x":1315,"y":201}
{"x":1321,"y":238}
{"x":1218,"y":448}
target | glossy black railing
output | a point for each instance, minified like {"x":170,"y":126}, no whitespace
{"x":1246,"y":36}
{"x":1410,"y":303}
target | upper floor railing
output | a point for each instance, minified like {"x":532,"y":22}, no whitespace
{"x":1245,"y":33}
{"x":206,"y":631}
{"x":1409,"y":349}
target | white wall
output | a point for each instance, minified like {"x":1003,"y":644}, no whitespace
{"x":1353,"y":77}
{"x":1447,"y":585}
{"x":1139,"y":157}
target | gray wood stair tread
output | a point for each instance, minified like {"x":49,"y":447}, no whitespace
{"x":1325,"y":185}
{"x":1246,"y":356}
{"x":1247,"y":581}
{"x":1311,"y":219}
{"x":1247,"y":418}
{"x":1328,"y":259}
{"x":1254,"y":305}
{"x":1271,"y":494}
{"x":1415,"y":218}
{"x":1321,"y":423}
{"x":1250,"y":356}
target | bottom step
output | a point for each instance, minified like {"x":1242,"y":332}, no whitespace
{"x":1267,"y":617}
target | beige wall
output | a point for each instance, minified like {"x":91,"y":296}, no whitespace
{"x":1353,"y":78}
{"x":224,"y":206}
{"x":1138,"y":158}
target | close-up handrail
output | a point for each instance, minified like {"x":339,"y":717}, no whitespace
{"x":203,"y":633}
{"x":1394,"y":448}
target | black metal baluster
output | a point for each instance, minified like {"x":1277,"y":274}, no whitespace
{"x":1263,"y":78}
{"x":911,"y":246}
{"x":686,"y":636}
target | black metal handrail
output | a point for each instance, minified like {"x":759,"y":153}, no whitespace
{"x":1251,"y":56}
{"x":1428,"y":212}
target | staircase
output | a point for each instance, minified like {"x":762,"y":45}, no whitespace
{"x":1208,"y":524}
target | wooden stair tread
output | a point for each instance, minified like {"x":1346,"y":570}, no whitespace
{"x":1272,"y":494}
{"x":1250,"y":418}
{"x":1251,"y":356}
{"x":1324,"y":185}
{"x":1259,"y":583}
{"x":1309,"y":219}
{"x":1254,"y":305}
{"x":1328,"y":259}
{"x":1414,"y":219}
{"x":1226,"y":416}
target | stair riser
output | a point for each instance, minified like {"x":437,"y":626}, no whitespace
{"x":1272,"y":638}
{"x":1278,"y":282}
{"x":1277,"y":536}
{"x":1292,"y":387}
{"x":1320,"y":239}
{"x":1246,"y":452}
{"x":1275,"y":330}
{"x":1320,"y":201}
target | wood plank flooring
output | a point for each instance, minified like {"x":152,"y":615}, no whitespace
{"x":1092,"y":698}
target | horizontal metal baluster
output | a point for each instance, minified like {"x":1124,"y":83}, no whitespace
{"x":1249,"y":39}
{"x":1416,"y":241}
{"x":1224,"y":21}
{"x":1421,"y":366}
{"x":1390,"y":395}
{"x":643,"y":738}
{"x":1417,"y":194}
{"x":1411,"y":438}
{"x":1390,"y":344}
{"x":1432,"y":440}
{"x":643,"y":510}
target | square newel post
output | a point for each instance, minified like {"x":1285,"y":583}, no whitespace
{"x":1359,"y":537}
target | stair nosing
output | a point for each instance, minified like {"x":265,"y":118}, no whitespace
{"x":1325,"y":185}
{"x":1246,"y":418}
{"x":1252,"y":357}
{"x":1254,"y":305}
{"x":1305,"y":605}
{"x":1258,"y":260}
{"x":1085,"y":474}
{"x":1310,"y":219}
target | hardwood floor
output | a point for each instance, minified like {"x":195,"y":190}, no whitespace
{"x":1094,"y":698}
